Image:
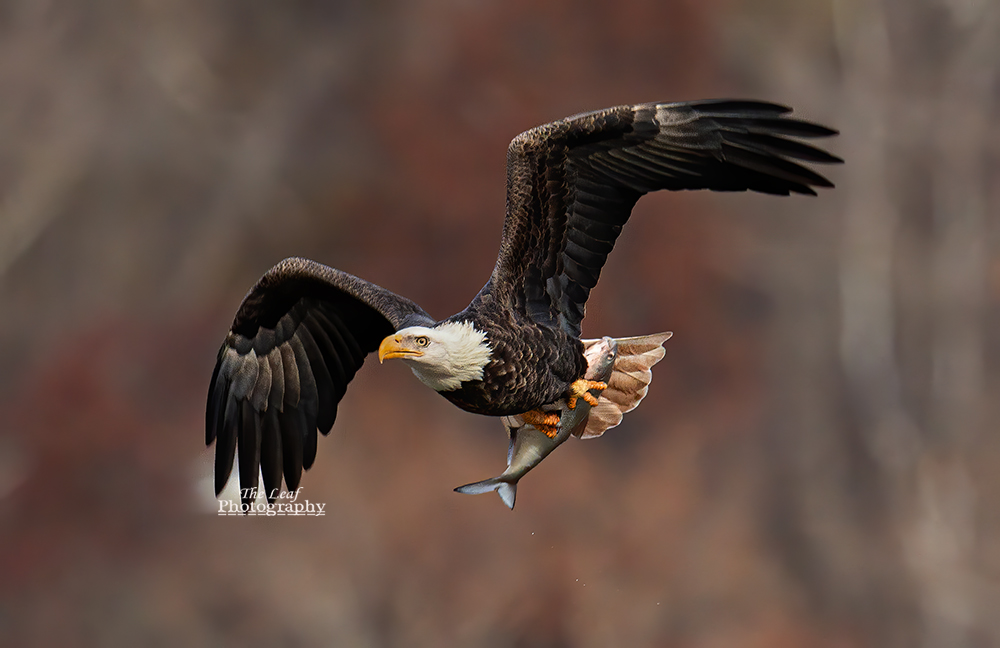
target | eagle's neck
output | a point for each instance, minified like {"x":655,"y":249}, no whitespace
{"x":465,"y":353}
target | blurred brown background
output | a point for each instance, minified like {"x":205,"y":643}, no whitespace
{"x":817,"y":463}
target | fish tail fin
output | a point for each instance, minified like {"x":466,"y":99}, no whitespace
{"x":506,"y":490}
{"x":507,"y":493}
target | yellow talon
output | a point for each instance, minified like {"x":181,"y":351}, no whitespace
{"x":545,"y":422}
{"x":581,"y":389}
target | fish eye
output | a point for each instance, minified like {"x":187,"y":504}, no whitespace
{"x":423,"y":341}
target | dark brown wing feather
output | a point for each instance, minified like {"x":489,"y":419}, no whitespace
{"x":571,"y":186}
{"x":298,"y":339}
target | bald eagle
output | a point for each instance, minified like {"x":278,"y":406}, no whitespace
{"x":304,"y":330}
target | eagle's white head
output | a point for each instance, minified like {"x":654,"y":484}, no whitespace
{"x":443,"y":356}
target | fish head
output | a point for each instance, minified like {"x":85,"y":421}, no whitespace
{"x":601,"y":355}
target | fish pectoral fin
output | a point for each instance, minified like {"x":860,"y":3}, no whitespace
{"x":581,"y":389}
{"x":545,"y":422}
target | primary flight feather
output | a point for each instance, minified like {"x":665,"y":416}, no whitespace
{"x":304,"y":329}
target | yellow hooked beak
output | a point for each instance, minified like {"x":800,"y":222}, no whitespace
{"x":393,"y":347}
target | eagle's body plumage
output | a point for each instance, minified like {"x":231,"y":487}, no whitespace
{"x":304,"y":329}
{"x":530,"y":366}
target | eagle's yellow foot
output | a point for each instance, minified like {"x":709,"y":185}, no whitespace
{"x":581,"y":389}
{"x":545,"y":422}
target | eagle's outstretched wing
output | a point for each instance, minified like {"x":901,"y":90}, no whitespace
{"x":571,"y":186}
{"x":300,"y":335}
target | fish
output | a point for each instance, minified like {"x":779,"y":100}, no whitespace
{"x":528,"y":446}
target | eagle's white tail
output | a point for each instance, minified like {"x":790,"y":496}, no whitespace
{"x":629,"y":381}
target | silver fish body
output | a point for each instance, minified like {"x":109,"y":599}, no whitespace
{"x":528,"y":446}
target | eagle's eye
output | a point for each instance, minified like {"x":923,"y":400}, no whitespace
{"x":422,"y":341}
